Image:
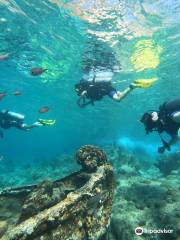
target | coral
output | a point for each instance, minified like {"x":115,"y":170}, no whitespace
{"x":44,"y":196}
{"x":3,"y":227}
{"x":144,"y":197}
{"x":90,"y":157}
{"x":76,"y":207}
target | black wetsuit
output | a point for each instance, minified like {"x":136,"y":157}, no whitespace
{"x":96,"y":90}
{"x":166,"y":115}
{"x":7,"y":120}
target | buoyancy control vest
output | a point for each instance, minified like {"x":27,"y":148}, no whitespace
{"x":166,"y":111}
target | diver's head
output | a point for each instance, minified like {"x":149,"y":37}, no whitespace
{"x":151,"y":122}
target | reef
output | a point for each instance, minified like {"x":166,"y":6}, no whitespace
{"x":79,"y":205}
{"x":147,"y":195}
{"x":76,"y":207}
{"x":90,"y":158}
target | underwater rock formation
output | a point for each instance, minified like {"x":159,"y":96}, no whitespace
{"x":3,"y":227}
{"x":144,"y":196}
{"x":44,"y":196}
{"x":90,"y":157}
{"x":76,"y":207}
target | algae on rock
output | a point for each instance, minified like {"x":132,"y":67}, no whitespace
{"x":76,"y":207}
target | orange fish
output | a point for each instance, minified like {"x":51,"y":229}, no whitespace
{"x":17,"y":93}
{"x":43,"y":109}
{"x":37,"y":71}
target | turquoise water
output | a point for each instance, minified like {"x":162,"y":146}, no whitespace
{"x":140,"y":37}
{"x":139,"y":40}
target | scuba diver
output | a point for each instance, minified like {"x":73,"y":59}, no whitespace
{"x":166,"y":119}
{"x":10,"y":119}
{"x":97,"y":83}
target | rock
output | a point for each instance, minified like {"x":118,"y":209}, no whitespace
{"x":90,"y":157}
{"x":44,"y":196}
{"x":82,"y":213}
{"x":121,"y":229}
{"x":3,"y":227}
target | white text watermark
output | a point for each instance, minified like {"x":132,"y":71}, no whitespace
{"x":139,"y":231}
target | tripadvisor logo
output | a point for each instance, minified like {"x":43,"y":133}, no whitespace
{"x":139,"y":231}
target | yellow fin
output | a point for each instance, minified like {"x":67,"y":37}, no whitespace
{"x":144,"y":83}
{"x":47,"y":122}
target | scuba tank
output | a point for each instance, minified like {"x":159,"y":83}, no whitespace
{"x":98,"y":75}
{"x":104,"y":76}
{"x":16,"y":116}
{"x":166,"y":113}
{"x":13,"y":115}
{"x":167,"y":108}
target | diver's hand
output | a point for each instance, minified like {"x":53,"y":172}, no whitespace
{"x":83,"y":93}
{"x":161,"y":149}
{"x":37,"y":124}
{"x":133,"y":86}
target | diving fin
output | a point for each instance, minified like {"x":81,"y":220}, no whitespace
{"x":144,"y":83}
{"x":47,"y":122}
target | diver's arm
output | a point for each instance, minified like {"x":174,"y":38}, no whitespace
{"x":120,"y":95}
{"x":174,"y":138}
{"x":84,"y":93}
{"x":82,"y":100}
{"x":27,"y":127}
